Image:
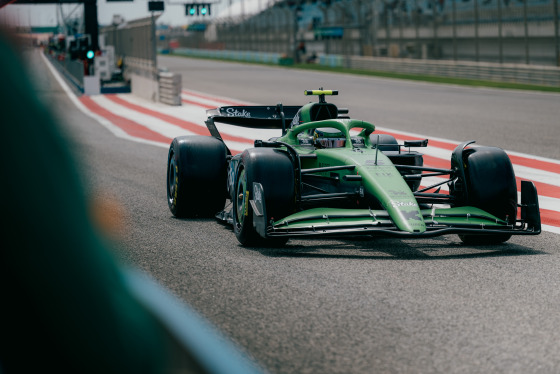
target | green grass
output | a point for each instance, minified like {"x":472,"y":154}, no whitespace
{"x":412,"y":77}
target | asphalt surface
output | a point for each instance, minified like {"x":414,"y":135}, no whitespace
{"x":522,"y":121}
{"x":344,"y":306}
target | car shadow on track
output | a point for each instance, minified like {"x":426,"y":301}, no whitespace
{"x":442,"y":248}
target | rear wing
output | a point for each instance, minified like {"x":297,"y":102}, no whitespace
{"x":260,"y":117}
{"x":257,"y":117}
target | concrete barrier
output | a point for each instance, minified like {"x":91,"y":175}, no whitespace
{"x":144,"y":87}
{"x":143,"y":80}
{"x":247,"y":56}
{"x":514,"y":73}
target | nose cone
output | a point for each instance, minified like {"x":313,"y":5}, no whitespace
{"x":406,"y":215}
{"x":388,"y":186}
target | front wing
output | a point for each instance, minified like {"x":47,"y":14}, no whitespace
{"x":439,"y":221}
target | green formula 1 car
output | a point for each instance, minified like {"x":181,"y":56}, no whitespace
{"x":330,"y":175}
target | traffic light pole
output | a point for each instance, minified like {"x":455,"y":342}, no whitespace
{"x":154,"y":6}
{"x":91,"y":26}
{"x":154,"y":48}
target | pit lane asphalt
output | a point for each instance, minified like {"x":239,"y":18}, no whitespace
{"x":331,"y":306}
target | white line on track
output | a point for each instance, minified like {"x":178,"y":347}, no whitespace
{"x":205,"y":98}
{"x":150,"y":122}
{"x":117,"y":131}
{"x":545,"y":202}
{"x":524,"y":172}
{"x":197,"y":115}
{"x":549,"y":228}
{"x":406,"y":135}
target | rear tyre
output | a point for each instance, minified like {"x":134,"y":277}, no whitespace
{"x":389,"y":143}
{"x":273,"y":169}
{"x":196,"y":176}
{"x":490,"y":184}
{"x":391,"y":149}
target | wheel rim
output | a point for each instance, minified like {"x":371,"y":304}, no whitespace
{"x":241,"y":192}
{"x":171,"y":178}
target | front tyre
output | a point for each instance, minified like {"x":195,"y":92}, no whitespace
{"x":273,"y":169}
{"x":196,"y":176}
{"x":490,"y":185}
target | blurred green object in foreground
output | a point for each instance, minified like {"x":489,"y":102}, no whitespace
{"x":66,"y":304}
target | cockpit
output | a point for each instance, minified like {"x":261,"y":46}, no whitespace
{"x":328,"y":138}
{"x":322,"y":115}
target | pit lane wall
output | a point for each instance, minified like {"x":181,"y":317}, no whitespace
{"x":514,"y":73}
{"x":142,"y":75}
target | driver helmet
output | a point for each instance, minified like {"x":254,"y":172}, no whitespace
{"x":329,"y":138}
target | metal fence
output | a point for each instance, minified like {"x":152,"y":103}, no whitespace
{"x":503,"y":31}
{"x":134,"y":42}
{"x":488,"y":71}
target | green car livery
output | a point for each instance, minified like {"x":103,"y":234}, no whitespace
{"x":331,"y":175}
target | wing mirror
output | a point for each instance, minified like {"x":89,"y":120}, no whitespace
{"x":416,"y":143}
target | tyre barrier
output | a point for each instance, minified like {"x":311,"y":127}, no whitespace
{"x":170,"y":88}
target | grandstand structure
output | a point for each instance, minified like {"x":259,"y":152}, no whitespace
{"x":500,"y":31}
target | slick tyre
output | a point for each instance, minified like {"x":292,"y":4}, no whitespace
{"x":273,"y":169}
{"x":389,"y":143}
{"x":196,"y":176}
{"x":391,"y":148}
{"x":491,"y":186}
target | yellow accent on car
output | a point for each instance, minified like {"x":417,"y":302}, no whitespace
{"x":320,"y":92}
